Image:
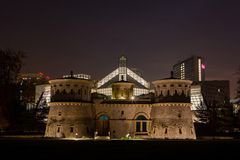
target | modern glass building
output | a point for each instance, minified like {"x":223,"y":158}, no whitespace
{"x":197,"y":99}
{"x":192,"y":68}
{"x":123,"y":73}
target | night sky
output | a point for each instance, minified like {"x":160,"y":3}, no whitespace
{"x":88,"y":36}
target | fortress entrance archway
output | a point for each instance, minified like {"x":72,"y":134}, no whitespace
{"x":103,"y":125}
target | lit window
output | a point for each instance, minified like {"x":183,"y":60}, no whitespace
{"x":141,"y":125}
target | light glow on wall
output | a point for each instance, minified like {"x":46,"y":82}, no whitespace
{"x":199,"y":70}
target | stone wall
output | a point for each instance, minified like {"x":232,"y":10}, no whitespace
{"x":164,"y":120}
{"x":70,"y":119}
{"x":123,"y":117}
{"x":171,"y":87}
{"x":172,"y":121}
{"x":67,"y":90}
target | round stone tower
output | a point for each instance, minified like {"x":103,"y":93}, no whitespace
{"x":71,"y":112}
{"x":171,"y":113}
{"x":122,"y":90}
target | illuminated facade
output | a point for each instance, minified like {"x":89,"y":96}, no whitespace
{"x":74,"y":113}
{"x":80,"y":76}
{"x":197,"y":100}
{"x":192,"y":69}
{"x":141,"y":86}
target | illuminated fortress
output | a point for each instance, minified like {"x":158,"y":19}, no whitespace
{"x":120,"y":105}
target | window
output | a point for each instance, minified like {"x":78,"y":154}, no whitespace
{"x":175,"y":91}
{"x":68,"y":85}
{"x":87,"y":129}
{"x":57,"y":92}
{"x":172,"y":85}
{"x":165,"y":130}
{"x":71,"y":129}
{"x":103,"y":118}
{"x":144,"y":127}
{"x":122,"y":112}
{"x":154,"y":129}
{"x":180,"y":131}
{"x":122,"y":78}
{"x":138,"y":127}
{"x":72,"y":92}
{"x":141,"y":125}
{"x":179,"y":85}
{"x":58,"y":129}
{"x":59,"y":113}
{"x":179,"y":115}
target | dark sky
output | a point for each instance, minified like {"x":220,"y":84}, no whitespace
{"x":88,"y":36}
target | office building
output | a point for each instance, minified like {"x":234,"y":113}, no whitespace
{"x":192,"y":68}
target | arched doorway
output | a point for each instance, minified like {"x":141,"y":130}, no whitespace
{"x":141,"y":125}
{"x":103,"y":125}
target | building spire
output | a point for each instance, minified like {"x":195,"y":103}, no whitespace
{"x":122,"y":61}
{"x":71,"y":74}
{"x":122,"y":68}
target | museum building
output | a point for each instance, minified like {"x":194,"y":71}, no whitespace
{"x":77,"y":112}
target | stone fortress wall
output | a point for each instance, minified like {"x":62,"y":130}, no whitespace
{"x":123,"y":117}
{"x":76,"y":116}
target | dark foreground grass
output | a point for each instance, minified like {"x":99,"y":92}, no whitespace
{"x":40,"y":148}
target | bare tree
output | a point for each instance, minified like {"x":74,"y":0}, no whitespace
{"x":10,"y":65}
{"x":238,"y":83}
